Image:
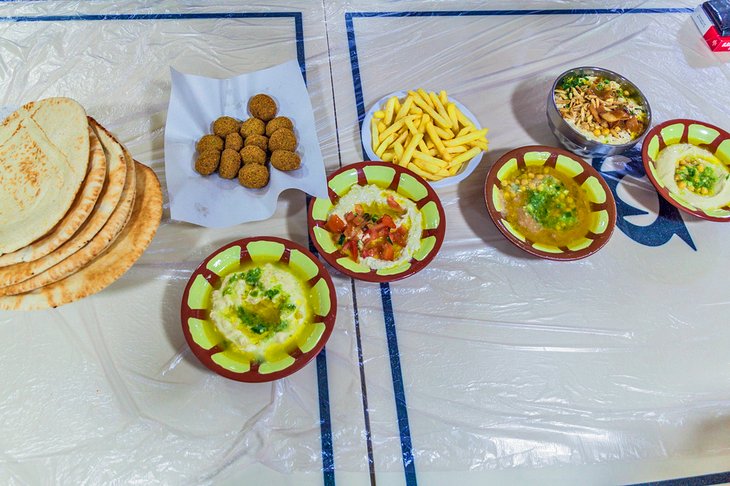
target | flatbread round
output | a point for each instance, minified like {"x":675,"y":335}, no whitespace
{"x":113,"y":263}
{"x":77,"y":260}
{"x":114,"y":191}
{"x":44,"y":155}
{"x":76,"y":215}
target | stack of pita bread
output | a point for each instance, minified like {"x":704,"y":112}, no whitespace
{"x":76,"y":211}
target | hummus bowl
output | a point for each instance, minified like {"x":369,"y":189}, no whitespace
{"x":380,"y":223}
{"x":688,"y":162}
{"x":258,"y":309}
{"x":550,"y":203}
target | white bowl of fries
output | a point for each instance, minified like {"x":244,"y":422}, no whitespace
{"x":429,"y":133}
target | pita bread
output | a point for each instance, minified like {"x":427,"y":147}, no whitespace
{"x":44,"y":155}
{"x":57,"y":268}
{"x":76,"y":215}
{"x":118,"y":172}
{"x":113,"y":263}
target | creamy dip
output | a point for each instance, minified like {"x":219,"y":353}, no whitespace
{"x":695,"y":175}
{"x":260,"y":306}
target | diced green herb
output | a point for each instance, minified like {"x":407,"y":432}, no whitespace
{"x":253,"y":276}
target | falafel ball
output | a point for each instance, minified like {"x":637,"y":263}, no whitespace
{"x":254,"y":176}
{"x":251,"y":154}
{"x":234,"y":141}
{"x":252,"y":126}
{"x":260,"y":141}
{"x":285,"y":160}
{"x":207,"y":162}
{"x":277,"y":123}
{"x":209,"y":142}
{"x":283,"y":139}
{"x":230,"y":164}
{"x":225,"y":125}
{"x":262,"y":106}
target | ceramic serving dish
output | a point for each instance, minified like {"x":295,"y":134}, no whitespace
{"x":386,"y":176}
{"x":601,"y":203}
{"x":701,"y":134}
{"x":208,"y":344}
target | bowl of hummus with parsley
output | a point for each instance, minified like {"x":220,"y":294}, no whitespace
{"x":688,"y":162}
{"x":258,"y":309}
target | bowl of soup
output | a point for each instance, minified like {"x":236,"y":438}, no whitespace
{"x":550,"y":203}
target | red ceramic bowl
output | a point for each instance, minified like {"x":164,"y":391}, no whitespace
{"x":602,"y":204}
{"x":701,"y":134}
{"x":387,"y":176}
{"x":209,"y":346}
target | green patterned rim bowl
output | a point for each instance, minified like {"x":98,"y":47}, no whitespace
{"x":208,"y":344}
{"x":602,"y":204}
{"x":701,"y":134}
{"x":388,"y":176}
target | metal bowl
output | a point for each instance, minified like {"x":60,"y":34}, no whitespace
{"x":575,"y":141}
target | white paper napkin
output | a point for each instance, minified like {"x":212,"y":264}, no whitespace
{"x":195,"y":102}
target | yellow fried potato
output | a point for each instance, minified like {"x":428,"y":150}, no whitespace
{"x":432,"y":113}
{"x":444,"y":97}
{"x":451,"y":109}
{"x":466,"y":138}
{"x":444,"y":133}
{"x":384,"y":145}
{"x":405,"y":108}
{"x":456,"y":150}
{"x":465,"y":130}
{"x":426,"y":175}
{"x":437,"y":142}
{"x":410,"y":148}
{"x":387,"y":157}
{"x":463,"y":119}
{"x":468,"y":155}
{"x":389,"y":108}
{"x":379,"y":115}
{"x":381,"y":126}
{"x":440,"y":163}
{"x":374,"y":133}
{"x":398,"y":149}
{"x":440,"y":109}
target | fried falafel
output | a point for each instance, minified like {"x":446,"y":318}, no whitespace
{"x":209,"y":142}
{"x":285,"y":160}
{"x":225,"y":125}
{"x":277,"y":123}
{"x":262,"y":106}
{"x":260,"y":141}
{"x":283,"y":139}
{"x":252,"y":126}
{"x":230,"y":164}
{"x":253,"y":176}
{"x":207,"y":162}
{"x":251,"y":154}
{"x":234,"y":141}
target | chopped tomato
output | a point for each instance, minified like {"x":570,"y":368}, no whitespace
{"x":388,"y":253}
{"x":387,"y":221}
{"x":358,"y":220}
{"x":358,"y":209}
{"x":394,"y":204}
{"x":399,"y":236}
{"x":352,"y":249}
{"x":335,"y":224}
{"x":349,"y":216}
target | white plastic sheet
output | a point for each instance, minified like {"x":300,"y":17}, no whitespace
{"x":487,"y":367}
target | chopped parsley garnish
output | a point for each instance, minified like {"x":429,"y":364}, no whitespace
{"x":271,"y":293}
{"x":695,"y":176}
{"x":253,"y":276}
{"x":252,"y":320}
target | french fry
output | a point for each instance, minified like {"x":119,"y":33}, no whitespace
{"x":468,"y":155}
{"x":437,"y":142}
{"x":451,"y":109}
{"x":427,"y":166}
{"x":389,"y":108}
{"x":411,"y":126}
{"x":384,"y":145}
{"x":381,"y":126}
{"x":429,"y":144}
{"x":463,"y":119}
{"x":374,"y":133}
{"x":398,"y":149}
{"x":465,"y":130}
{"x":415,"y":110}
{"x":401,"y":140}
{"x":465,"y":138}
{"x":440,"y":163}
{"x":405,"y":108}
{"x":379,"y":115}
{"x":436,"y":117}
{"x":444,"y":133}
{"x":387,"y":157}
{"x":385,"y":133}
{"x":426,"y":175}
{"x":410,"y":148}
{"x":424,"y":96}
{"x":396,"y":105}
{"x":444,"y":97}
{"x":481,"y":143}
{"x":456,"y":150}
{"x":440,"y":109}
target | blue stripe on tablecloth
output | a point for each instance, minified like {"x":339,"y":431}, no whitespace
{"x":704,"y":480}
{"x":328,"y":464}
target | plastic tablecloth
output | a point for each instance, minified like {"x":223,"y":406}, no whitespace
{"x":488,"y":367}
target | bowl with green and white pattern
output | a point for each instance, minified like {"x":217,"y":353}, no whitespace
{"x":381,"y":222}
{"x":688,"y":162}
{"x":550,"y":203}
{"x":258,"y":309}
